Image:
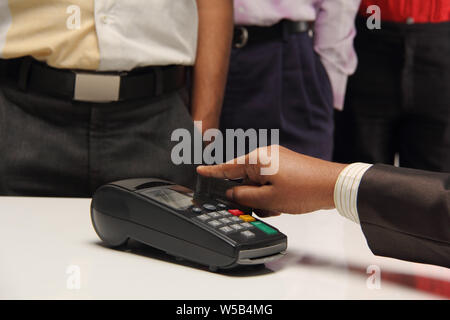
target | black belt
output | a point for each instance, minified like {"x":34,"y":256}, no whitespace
{"x":245,"y":35}
{"x":147,"y":82}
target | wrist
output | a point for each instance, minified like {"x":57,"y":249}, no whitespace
{"x":207,"y":120}
{"x":332,"y":177}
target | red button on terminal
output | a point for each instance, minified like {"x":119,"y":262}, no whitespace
{"x":235,"y":212}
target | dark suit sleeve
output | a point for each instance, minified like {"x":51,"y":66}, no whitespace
{"x":405,"y":214}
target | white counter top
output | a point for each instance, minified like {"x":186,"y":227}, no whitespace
{"x":327,"y":258}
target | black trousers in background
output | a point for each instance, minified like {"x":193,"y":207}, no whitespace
{"x":398,"y":101}
{"x":53,"y":147}
{"x":281,"y":84}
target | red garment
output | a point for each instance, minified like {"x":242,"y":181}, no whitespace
{"x":421,"y":11}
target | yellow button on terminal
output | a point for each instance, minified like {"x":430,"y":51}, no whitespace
{"x":247,"y":218}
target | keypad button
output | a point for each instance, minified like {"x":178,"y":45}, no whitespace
{"x":237,"y":227}
{"x":203,"y":217}
{"x":214,"y":214}
{"x":225,"y":213}
{"x":235,"y":212}
{"x":225,"y":220}
{"x":247,"y":225}
{"x":215,"y":223}
{"x":235,"y":219}
{"x":247,"y":218}
{"x":209,"y":207}
{"x":226,"y":229}
{"x":248,"y":234}
{"x":264,"y":227}
{"x":221,"y":206}
{"x":196,"y":210}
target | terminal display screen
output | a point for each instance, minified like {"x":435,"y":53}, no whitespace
{"x":171,"y":198}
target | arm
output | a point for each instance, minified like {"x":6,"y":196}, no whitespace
{"x":333,"y":41}
{"x":404,"y":213}
{"x":301,"y":184}
{"x":211,"y":67}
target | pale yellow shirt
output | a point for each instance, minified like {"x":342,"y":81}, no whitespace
{"x":103,"y":35}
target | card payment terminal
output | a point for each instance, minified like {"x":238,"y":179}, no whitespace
{"x":198,"y":226}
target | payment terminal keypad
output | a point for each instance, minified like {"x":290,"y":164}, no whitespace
{"x":232,"y":222}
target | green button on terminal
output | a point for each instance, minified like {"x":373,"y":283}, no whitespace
{"x":264,"y":227}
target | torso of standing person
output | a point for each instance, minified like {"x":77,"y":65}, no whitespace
{"x":333,"y":31}
{"x":100,"y":35}
{"x":269,"y":12}
{"x":409,"y":11}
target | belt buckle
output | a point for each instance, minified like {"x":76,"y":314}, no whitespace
{"x":96,"y":87}
{"x":244,"y":37}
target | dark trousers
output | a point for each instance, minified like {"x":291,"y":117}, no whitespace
{"x":53,"y":147}
{"x":281,"y":85}
{"x":398,"y":101}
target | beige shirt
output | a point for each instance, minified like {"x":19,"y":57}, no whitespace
{"x":105,"y":35}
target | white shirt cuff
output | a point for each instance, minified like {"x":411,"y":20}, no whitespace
{"x":346,"y":190}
